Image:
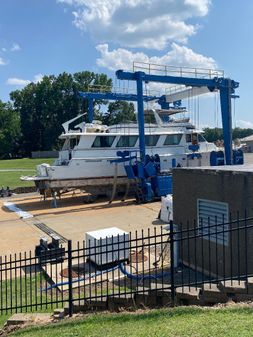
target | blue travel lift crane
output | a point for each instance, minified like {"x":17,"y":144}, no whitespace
{"x":110,"y":96}
{"x":151,"y":183}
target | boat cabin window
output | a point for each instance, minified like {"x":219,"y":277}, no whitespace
{"x":127,"y":141}
{"x":103,"y":141}
{"x":151,"y":140}
{"x":173,"y":139}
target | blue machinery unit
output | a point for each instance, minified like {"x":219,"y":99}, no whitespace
{"x":150,"y":183}
{"x":146,"y":171}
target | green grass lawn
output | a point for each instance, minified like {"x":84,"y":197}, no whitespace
{"x":25,"y":163}
{"x":12,"y":179}
{"x":3,"y":319}
{"x":22,"y":167}
{"x":28,"y":291}
{"x":183,"y":322}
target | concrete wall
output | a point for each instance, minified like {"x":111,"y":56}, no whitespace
{"x":45,"y":154}
{"x":234,"y":188}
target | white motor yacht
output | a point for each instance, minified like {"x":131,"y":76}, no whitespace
{"x":88,"y":148}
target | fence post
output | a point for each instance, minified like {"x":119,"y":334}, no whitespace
{"x":172,"y":264}
{"x":70,"y":299}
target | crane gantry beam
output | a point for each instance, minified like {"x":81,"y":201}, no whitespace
{"x":111,"y":96}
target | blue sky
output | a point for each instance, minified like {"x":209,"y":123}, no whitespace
{"x":42,"y":37}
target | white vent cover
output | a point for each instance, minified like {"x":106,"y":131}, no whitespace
{"x":211,"y":213}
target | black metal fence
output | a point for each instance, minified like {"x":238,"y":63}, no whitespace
{"x":174,"y":259}
{"x":87,"y":271}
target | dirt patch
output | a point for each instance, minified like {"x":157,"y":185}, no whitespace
{"x":23,"y":320}
{"x":24,"y":189}
{"x":138,"y":257}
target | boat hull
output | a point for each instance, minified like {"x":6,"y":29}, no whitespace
{"x":95,"y":186}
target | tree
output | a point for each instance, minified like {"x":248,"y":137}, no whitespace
{"x":119,"y":112}
{"x":45,"y":105}
{"x":214,"y":134}
{"x":242,"y":133}
{"x":9,"y":131}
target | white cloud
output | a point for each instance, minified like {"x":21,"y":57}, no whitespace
{"x":178,"y":56}
{"x":22,"y":82}
{"x":37,"y":78}
{"x":17,"y":81}
{"x":4,"y":49}
{"x":2,"y":62}
{"x":118,"y":58}
{"x":138,"y":23}
{"x":244,"y":124}
{"x":68,"y":2}
{"x":15,"y":47}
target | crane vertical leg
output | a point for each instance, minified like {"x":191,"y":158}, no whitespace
{"x":225,"y":101}
{"x":90,"y":110}
{"x":140,"y":116}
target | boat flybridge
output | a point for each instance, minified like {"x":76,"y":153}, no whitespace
{"x":84,"y":161}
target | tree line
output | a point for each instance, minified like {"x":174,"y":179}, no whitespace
{"x":32,"y":120}
{"x":214,"y":134}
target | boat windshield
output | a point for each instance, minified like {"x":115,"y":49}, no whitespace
{"x":103,"y":141}
{"x":70,"y":143}
{"x":193,"y":137}
{"x":201,"y":138}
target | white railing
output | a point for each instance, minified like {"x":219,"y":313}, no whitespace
{"x":157,"y":69}
{"x":121,"y":90}
{"x":99,"y":88}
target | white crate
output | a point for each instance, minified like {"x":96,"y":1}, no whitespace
{"x":107,"y":245}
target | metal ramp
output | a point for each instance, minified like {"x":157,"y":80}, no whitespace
{"x":180,"y":92}
{"x":49,"y":231}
